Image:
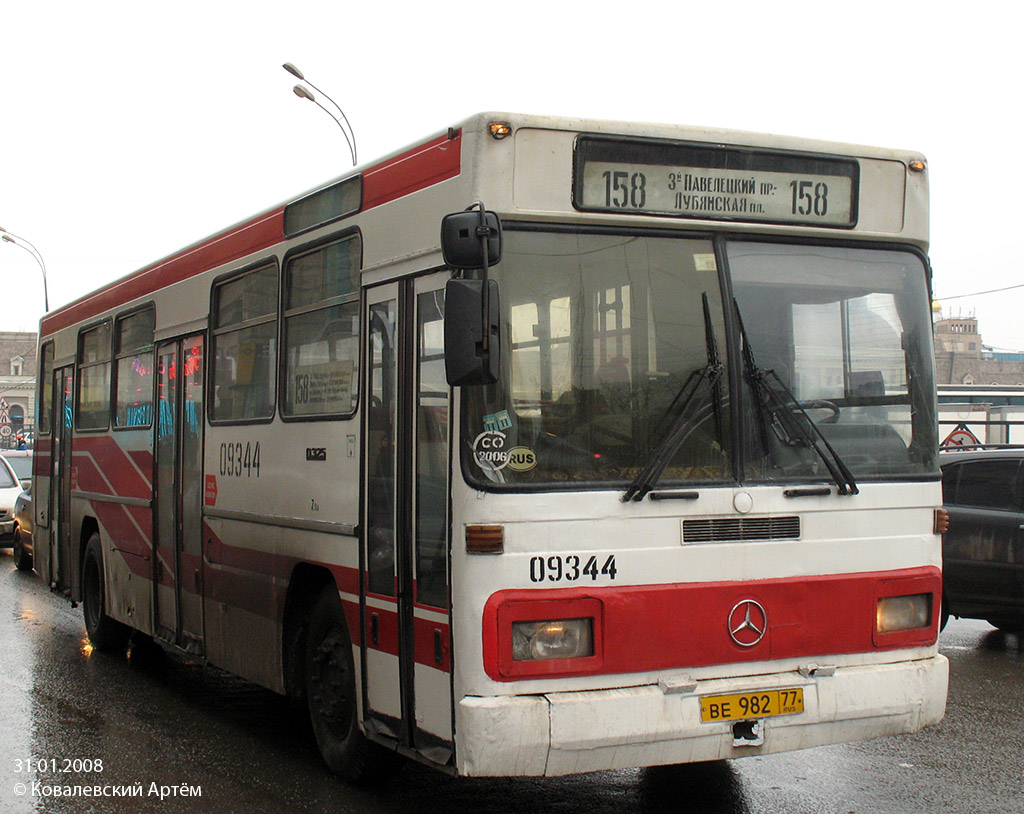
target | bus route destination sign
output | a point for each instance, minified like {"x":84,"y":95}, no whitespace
{"x":713,"y":182}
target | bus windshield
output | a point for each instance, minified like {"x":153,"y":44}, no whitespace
{"x":616,"y":364}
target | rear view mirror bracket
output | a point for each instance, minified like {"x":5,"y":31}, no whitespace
{"x":471,"y":240}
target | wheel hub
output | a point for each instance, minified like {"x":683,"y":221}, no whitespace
{"x":329,"y":683}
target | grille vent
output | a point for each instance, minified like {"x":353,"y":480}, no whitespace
{"x":731,"y":529}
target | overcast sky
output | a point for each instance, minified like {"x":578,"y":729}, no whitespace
{"x":130,"y":130}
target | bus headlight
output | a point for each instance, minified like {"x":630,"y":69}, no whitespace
{"x":903,"y":612}
{"x":559,"y":639}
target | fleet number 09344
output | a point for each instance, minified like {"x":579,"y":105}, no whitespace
{"x":238,"y":460}
{"x":571,"y":567}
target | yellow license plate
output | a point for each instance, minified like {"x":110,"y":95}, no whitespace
{"x":746,"y":705}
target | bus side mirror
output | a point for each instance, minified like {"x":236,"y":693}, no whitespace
{"x":466,"y":360}
{"x":462,"y":239}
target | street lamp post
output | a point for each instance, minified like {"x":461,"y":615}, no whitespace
{"x":20,"y":242}
{"x":304,"y":93}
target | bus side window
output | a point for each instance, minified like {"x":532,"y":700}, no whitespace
{"x":321,"y":331}
{"x":245,"y":346}
{"x":94,"y":378}
{"x":133,"y":387}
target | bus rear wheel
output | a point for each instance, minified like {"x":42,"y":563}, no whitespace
{"x":331,"y":696}
{"x":106,"y":635}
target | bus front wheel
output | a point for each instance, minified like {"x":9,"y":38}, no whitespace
{"x":22,"y":559}
{"x":331,"y":695}
{"x":105,"y":634}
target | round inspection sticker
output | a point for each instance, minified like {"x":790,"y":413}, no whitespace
{"x":489,"y":451}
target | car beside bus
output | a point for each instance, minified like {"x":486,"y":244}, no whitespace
{"x":983,"y":550}
{"x":10,"y":489}
{"x":21,"y":544}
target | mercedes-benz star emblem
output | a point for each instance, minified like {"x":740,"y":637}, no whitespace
{"x":748,"y":623}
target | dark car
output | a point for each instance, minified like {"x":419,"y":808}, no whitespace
{"x":23,"y":531}
{"x":983,"y":550}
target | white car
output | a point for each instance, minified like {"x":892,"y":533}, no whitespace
{"x":10,"y":488}
{"x":21,"y":462}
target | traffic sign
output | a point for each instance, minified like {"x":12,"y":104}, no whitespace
{"x":6,"y":430}
{"x":961,"y":437}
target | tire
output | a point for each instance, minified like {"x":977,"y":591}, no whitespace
{"x":331,"y":696}
{"x":22,"y":559}
{"x":105,"y":634}
{"x":1007,"y":624}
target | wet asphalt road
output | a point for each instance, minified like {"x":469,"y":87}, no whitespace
{"x":152,"y":723}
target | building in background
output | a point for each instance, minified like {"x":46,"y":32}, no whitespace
{"x":981,"y":389}
{"x":17,"y":386}
{"x":962,"y":358}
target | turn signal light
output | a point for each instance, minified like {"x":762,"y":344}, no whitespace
{"x":500,"y":130}
{"x":485,"y":539}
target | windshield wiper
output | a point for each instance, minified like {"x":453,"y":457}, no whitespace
{"x":712,"y":373}
{"x":780,"y":414}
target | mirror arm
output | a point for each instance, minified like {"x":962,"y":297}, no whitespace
{"x":483,"y":231}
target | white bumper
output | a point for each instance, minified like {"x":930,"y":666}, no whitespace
{"x":569,"y":732}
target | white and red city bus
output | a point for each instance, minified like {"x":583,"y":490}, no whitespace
{"x":636,"y":466}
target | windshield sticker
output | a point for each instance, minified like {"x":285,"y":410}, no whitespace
{"x":489,"y":451}
{"x":705,"y":262}
{"x":497,"y":421}
{"x":521,"y":459}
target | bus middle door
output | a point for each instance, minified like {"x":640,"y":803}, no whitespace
{"x":57,"y":566}
{"x":177,"y":556}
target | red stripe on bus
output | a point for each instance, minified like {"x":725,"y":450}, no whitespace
{"x":423,"y":166}
{"x":127,"y":536}
{"x":259,"y":233}
{"x":143,"y":459}
{"x":665,"y":627}
{"x":104,"y":467}
{"x":41,"y":458}
{"x":427,"y":635}
{"x":257,"y":581}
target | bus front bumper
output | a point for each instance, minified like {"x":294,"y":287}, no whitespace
{"x":569,"y":732}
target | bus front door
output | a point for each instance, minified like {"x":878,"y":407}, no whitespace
{"x":406,"y":614}
{"x":177,"y":543}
